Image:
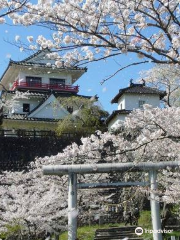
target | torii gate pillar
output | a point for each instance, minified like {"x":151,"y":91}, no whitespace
{"x":72,"y":207}
{"x":155,"y":209}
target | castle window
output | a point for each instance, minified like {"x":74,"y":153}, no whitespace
{"x":26,"y":107}
{"x":57,"y":81}
{"x":33,"y":81}
{"x":70,"y":109}
{"x":141,"y":103}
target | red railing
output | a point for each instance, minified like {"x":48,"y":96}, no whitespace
{"x":32,"y":85}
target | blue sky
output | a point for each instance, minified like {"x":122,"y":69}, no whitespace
{"x":90,"y":81}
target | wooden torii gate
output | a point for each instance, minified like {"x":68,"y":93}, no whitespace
{"x":73,"y":170}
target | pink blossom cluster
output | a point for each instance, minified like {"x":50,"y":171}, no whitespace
{"x":88,"y":30}
{"x":151,"y":135}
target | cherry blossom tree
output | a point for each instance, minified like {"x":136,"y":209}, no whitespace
{"x":149,"y":135}
{"x":92,"y":30}
{"x":31,"y":205}
{"x":35,"y":204}
{"x":39,"y":202}
{"x":167,"y":78}
{"x":9,"y":7}
{"x":82,"y":32}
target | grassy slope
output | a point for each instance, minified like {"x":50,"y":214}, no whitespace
{"x":87,"y":232}
{"x":145,"y":222}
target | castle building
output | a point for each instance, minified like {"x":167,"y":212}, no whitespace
{"x":133,"y":97}
{"x":34,"y":86}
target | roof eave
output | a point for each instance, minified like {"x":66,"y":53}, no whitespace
{"x":117,"y":112}
{"x":119,"y":95}
{"x":41,"y":65}
{"x":9,"y":64}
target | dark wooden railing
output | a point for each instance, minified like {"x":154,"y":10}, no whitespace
{"x":33,"y":86}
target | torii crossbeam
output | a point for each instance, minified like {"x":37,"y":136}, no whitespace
{"x":73,"y":170}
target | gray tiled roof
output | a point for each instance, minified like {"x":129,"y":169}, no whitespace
{"x":25,"y":118}
{"x":27,"y":61}
{"x":34,"y":93}
{"x":31,"y":94}
{"x":15,"y":116}
{"x":43,"y":65}
{"x":139,"y":89}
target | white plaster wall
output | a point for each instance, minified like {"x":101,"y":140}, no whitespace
{"x":18,"y":105}
{"x":41,"y":59}
{"x":121,"y":101}
{"x":45,"y":77}
{"x":51,"y":112}
{"x":114,"y":122}
{"x":131,"y":101}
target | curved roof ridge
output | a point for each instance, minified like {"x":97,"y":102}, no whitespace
{"x":34,"y":55}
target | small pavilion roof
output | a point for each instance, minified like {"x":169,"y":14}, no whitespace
{"x":138,"y":89}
